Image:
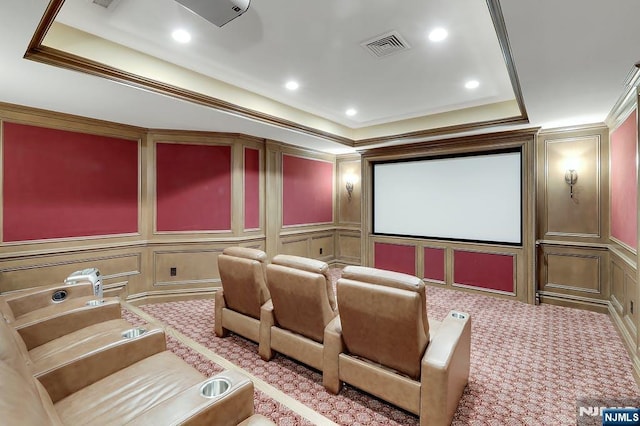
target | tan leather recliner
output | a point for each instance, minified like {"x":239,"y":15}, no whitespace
{"x":138,"y":382}
{"x":244,"y":291}
{"x":302,"y":304}
{"x":383,"y":343}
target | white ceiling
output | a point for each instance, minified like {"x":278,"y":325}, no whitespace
{"x":571,"y":58}
{"x":317,"y":43}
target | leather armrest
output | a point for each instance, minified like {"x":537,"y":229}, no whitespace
{"x":257,"y":420}
{"x":81,"y":372}
{"x":220,"y":304}
{"x":62,"y":320}
{"x":267,"y":320}
{"x":333,"y":347}
{"x":190,"y":407}
{"x":445,"y":368}
{"x":28,"y":300}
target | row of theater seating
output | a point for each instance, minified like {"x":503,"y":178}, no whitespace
{"x":373,"y":332}
{"x":67,"y":358}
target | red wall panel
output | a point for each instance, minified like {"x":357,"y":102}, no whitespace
{"x":251,"y":188}
{"x":395,"y":257}
{"x":624,"y":184}
{"x":58,"y":184}
{"x":485,"y":270}
{"x":307,"y":191}
{"x":193,"y":187}
{"x":434,"y":263}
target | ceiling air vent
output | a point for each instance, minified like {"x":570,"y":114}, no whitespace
{"x":107,"y":4}
{"x":386,"y":44}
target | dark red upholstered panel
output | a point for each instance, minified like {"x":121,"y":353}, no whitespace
{"x":485,"y":270}
{"x":251,"y":188}
{"x":434,"y":263}
{"x":307,"y":187}
{"x":395,"y":257}
{"x":193,"y":187}
{"x":624,"y":185}
{"x":58,"y":183}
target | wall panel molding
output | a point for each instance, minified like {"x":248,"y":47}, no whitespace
{"x":580,"y":215}
{"x":585,"y":216}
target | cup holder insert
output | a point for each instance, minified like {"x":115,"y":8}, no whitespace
{"x":59,"y":296}
{"x":134,"y":332}
{"x":215,"y":387}
{"x":95,"y":302}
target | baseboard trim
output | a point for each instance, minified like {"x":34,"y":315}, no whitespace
{"x":627,"y":340}
{"x":594,"y":305}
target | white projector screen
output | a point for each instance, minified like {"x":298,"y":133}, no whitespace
{"x":466,"y":198}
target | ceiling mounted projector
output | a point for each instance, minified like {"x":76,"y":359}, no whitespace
{"x":218,"y":12}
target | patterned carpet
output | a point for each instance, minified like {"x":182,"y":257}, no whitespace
{"x":529,"y":364}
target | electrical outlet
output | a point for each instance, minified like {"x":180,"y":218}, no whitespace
{"x":173,"y":271}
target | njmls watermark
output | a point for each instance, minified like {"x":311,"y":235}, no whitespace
{"x":608,"y":412}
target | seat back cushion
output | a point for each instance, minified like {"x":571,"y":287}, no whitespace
{"x":300,"y":301}
{"x":5,"y":311}
{"x":310,"y":265}
{"x":390,"y":279}
{"x":13,"y":351}
{"x":23,"y":400}
{"x":383,"y":325}
{"x":243,"y":284}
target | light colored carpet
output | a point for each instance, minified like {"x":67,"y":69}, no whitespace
{"x":529,"y":363}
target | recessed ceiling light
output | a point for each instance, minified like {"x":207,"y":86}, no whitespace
{"x":292,"y":85}
{"x":438,"y":34}
{"x":472,"y":84}
{"x":181,"y":36}
{"x":351,"y":112}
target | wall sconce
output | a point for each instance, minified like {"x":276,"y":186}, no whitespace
{"x":350,"y":181}
{"x":571,"y":177}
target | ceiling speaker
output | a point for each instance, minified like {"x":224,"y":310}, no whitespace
{"x":218,"y":12}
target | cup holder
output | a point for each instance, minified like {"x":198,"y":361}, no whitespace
{"x":59,"y":296}
{"x":95,"y":302}
{"x":458,"y":315}
{"x":134,"y":332}
{"x":215,"y":387}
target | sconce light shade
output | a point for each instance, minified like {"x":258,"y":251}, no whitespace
{"x":349,"y":183}
{"x":571,"y":177}
{"x":349,"y":186}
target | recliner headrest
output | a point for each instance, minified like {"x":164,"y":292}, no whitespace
{"x":246,"y":252}
{"x":302,"y":263}
{"x":383,"y":277}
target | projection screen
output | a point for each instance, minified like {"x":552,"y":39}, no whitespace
{"x":465,"y":198}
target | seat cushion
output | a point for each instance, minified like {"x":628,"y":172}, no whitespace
{"x":74,"y":345}
{"x":123,"y":396}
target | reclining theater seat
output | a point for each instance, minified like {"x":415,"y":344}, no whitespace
{"x":44,"y":351}
{"x":383,"y":343}
{"x":302,"y":304}
{"x":244,"y":291}
{"x":29,"y":305}
{"x":137,"y":383}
